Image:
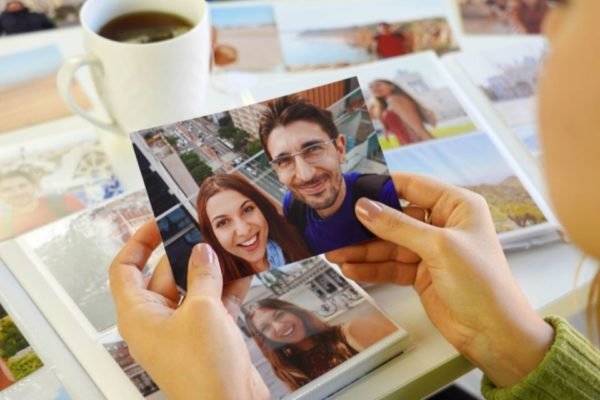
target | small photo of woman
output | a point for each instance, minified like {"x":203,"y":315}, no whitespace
{"x":305,"y":320}
{"x":246,"y":229}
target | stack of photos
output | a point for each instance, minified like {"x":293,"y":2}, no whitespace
{"x":263,"y":36}
{"x":31,"y":96}
{"x":266,"y":184}
{"x":22,"y":373}
{"x":503,"y":17}
{"x":269,"y":186}
{"x":24,"y":16}
{"x":508,"y":78}
{"x":47,"y":177}
{"x":425,"y":130}
{"x":302,"y":320}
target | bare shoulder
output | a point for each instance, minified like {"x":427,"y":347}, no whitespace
{"x":364,"y":331}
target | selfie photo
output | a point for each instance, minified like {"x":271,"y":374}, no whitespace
{"x":267,"y":184}
{"x":303,"y":320}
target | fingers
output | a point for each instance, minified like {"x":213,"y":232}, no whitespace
{"x":384,"y":272}
{"x":163,"y":282}
{"x":204,"y":273}
{"x":372,"y":251}
{"x":395,"y":226}
{"x":234,"y":293}
{"x":421,"y":190}
{"x":124,"y":273}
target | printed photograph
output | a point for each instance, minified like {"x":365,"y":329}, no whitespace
{"x":17,"y":358}
{"x":45,"y":177}
{"x":303,"y":320}
{"x":508,"y":78}
{"x":267,"y":184}
{"x":23,"y":16}
{"x":245,"y":37}
{"x":119,"y":351}
{"x":42,"y":384}
{"x":31,"y":96}
{"x":410,"y":101}
{"x":78,"y":250}
{"x":472,"y":161}
{"x":503,"y":17}
{"x":340,"y":38}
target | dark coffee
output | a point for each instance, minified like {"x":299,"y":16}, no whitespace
{"x":145,"y":27}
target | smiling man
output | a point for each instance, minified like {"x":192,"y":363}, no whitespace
{"x":306,"y":151}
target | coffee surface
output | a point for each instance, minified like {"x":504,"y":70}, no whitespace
{"x":145,"y":27}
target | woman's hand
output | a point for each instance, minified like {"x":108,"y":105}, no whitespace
{"x":458,"y":268}
{"x":196,"y":349}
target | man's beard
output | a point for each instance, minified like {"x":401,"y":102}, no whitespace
{"x":325,"y":199}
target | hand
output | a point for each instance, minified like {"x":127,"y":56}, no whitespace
{"x":191,"y":351}
{"x":458,"y":268}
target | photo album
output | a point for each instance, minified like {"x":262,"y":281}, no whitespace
{"x":270,"y":182}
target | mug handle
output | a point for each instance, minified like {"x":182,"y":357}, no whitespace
{"x":64,"y":81}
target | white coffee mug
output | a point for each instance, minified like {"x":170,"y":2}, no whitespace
{"x":142,"y":85}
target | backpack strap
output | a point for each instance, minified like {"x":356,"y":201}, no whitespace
{"x":369,"y":185}
{"x":296,"y":215}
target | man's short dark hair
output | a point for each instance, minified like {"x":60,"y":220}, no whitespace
{"x":288,"y":109}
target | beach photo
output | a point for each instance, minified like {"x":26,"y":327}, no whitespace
{"x":473,"y":162}
{"x":266,"y":184}
{"x":78,"y":250}
{"x":339,"y":39}
{"x":47,"y":177}
{"x":301,"y":321}
{"x":503,"y":17}
{"x":24,"y":16}
{"x":31,"y":96}
{"x":245,"y":37}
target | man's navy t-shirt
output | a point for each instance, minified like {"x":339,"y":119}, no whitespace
{"x":342,"y":228}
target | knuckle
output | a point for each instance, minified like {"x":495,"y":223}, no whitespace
{"x":204,"y":304}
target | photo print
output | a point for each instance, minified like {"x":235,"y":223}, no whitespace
{"x":78,"y":250}
{"x":266,"y":184}
{"x":17,"y":358}
{"x":410,"y":101}
{"x":339,"y":39}
{"x":303,"y":320}
{"x":31,"y":96}
{"x":503,"y":17}
{"x":23,"y":16}
{"x":245,"y":37}
{"x":508,"y":79}
{"x":45,"y":177}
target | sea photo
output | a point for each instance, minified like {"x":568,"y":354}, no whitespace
{"x":410,"y":101}
{"x":264,"y":204}
{"x":75,"y":254}
{"x":31,"y":96}
{"x":344,"y":34}
{"x":49,"y":172}
{"x":472,"y":161}
{"x":508,"y":78}
{"x":301,"y":321}
{"x":245,"y":37}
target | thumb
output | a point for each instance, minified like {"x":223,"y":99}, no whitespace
{"x":204,"y":273}
{"x":395,"y":226}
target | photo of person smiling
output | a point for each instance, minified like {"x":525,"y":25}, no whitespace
{"x":244,"y":228}
{"x":300,"y":347}
{"x":306,"y":151}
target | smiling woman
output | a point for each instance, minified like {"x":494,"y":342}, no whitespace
{"x":245,"y":228}
{"x":300,"y":347}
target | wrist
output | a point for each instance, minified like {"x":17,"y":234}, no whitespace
{"x":509,"y":353}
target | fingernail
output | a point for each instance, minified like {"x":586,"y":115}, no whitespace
{"x":203,"y":254}
{"x":368,"y":209}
